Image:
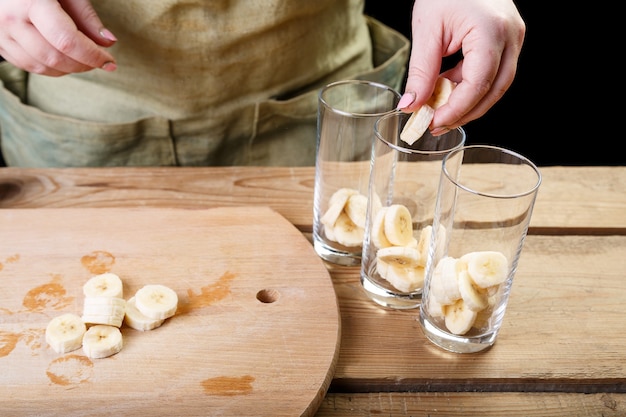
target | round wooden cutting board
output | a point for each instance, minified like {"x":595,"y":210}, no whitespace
{"x":256,"y":332}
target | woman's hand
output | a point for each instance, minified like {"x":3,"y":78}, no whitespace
{"x":53,"y":37}
{"x":489,"y":33}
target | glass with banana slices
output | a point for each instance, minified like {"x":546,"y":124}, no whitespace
{"x":484,"y":205}
{"x":347,"y":111}
{"x":401,"y":204}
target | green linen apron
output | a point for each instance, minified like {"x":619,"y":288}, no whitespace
{"x":219,"y":82}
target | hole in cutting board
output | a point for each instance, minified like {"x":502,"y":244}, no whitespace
{"x":267,"y":296}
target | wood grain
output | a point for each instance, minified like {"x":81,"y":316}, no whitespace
{"x":249,"y":334}
{"x":487,"y":404}
{"x":563,"y":330}
{"x":571,"y":200}
{"x":562,"y":348}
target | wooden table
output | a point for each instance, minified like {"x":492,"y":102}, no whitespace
{"x":561,"y":350}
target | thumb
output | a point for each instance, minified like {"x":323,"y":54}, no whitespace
{"x":88,"y":21}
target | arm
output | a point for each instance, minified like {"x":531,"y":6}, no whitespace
{"x":53,"y":37}
{"x":490,"y":34}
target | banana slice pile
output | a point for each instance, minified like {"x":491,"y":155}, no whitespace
{"x":344,"y":221}
{"x":400,"y":257}
{"x":422,"y":117}
{"x":104,"y":312}
{"x":463,"y":291}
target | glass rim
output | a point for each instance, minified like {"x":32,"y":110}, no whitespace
{"x":375,"y":84}
{"x":404,"y":150}
{"x":523,"y":161}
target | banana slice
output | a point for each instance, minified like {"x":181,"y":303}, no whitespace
{"x":487,"y":268}
{"x":104,"y":285}
{"x":336,"y":204}
{"x":156,"y":301}
{"x":136,"y":320}
{"x":356,"y":209}
{"x":398,"y":225}
{"x":420,"y":120}
{"x":402,"y":256}
{"x":341,"y":194}
{"x":423,"y":244}
{"x":329,"y":231}
{"x":444,"y":284}
{"x":104,"y":310}
{"x":441,"y":94}
{"x":101,"y":341}
{"x":378,"y":230}
{"x":458,"y":318}
{"x":435,"y":308}
{"x":417,"y":124}
{"x":332,"y":214}
{"x":474,"y":300}
{"x":64,"y":333}
{"x":403,"y":278}
{"x":347,"y":233}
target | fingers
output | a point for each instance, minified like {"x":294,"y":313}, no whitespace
{"x":60,"y":31}
{"x":41,"y":37}
{"x":489,"y":34}
{"x":483,"y":82}
{"x":88,"y":21}
{"x":40,"y":57}
{"x":424,"y":66}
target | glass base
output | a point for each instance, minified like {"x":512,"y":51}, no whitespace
{"x":454,"y":343}
{"x":336,"y":256}
{"x":389,"y":299}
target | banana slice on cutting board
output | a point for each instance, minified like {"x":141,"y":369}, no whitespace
{"x":64,"y":333}
{"x":101,"y":341}
{"x":104,"y":285}
{"x":421,"y":118}
{"x":156,"y":301}
{"x":135,"y":319}
{"x":104,"y":310}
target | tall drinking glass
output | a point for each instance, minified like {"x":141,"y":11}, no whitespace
{"x":402,"y":194}
{"x":346,"y":115}
{"x":484,"y":205}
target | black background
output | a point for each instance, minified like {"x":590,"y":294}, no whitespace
{"x":563,"y":107}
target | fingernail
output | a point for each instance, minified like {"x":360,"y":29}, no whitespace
{"x":109,"y":66}
{"x":406,"y":100}
{"x":438,"y":131}
{"x":107,"y":34}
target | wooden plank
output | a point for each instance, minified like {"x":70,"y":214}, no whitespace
{"x":588,"y":200}
{"x":249,"y":333}
{"x":563,"y":330}
{"x":488,"y":404}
